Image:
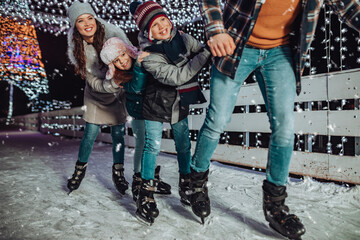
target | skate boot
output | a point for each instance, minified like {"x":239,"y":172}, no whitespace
{"x":147,"y":209}
{"x":184,"y":187}
{"x":136,"y":185}
{"x":161,"y":187}
{"x":77,"y":177}
{"x":277,"y":213}
{"x":118,"y":178}
{"x":199,"y":199}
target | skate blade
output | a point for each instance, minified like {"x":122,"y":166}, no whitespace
{"x":288,"y":237}
{"x":163,"y":192}
{"x":145,"y":221}
{"x":185,"y":204}
{"x":122,"y":191}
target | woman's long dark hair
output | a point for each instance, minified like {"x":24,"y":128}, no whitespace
{"x":79,"y":53}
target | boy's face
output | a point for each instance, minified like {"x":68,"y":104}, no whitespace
{"x":86,"y":25}
{"x":161,"y":28}
{"x":123,"y":61}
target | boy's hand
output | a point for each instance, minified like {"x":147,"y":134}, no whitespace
{"x":141,"y":56}
{"x":221,"y":45}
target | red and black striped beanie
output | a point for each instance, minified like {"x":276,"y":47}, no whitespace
{"x":145,"y":13}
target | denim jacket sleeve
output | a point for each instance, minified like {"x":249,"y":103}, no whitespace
{"x":348,"y":10}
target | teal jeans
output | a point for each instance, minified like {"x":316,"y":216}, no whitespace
{"x":138,"y":128}
{"x":274,"y":72}
{"x":153,"y":135}
{"x":90,"y":133}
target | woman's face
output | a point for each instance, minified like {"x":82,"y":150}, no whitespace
{"x":86,"y":25}
{"x":161,"y":28}
{"x":123,"y":61}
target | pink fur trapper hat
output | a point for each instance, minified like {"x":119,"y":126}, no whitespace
{"x":112,"y":48}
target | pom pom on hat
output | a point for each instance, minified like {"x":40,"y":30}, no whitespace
{"x":133,"y":7}
{"x":145,"y":13}
{"x":77,"y":9}
{"x":112,"y":49}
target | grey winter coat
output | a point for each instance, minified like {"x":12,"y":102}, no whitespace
{"x":104,"y":101}
{"x":161,"y":98}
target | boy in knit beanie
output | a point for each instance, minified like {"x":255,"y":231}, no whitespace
{"x":173,"y":65}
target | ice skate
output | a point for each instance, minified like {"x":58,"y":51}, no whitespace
{"x":277,"y":213}
{"x":199,"y":199}
{"x":118,"y":178}
{"x":161,"y":186}
{"x":147,"y":209}
{"x":77,"y":177}
{"x":136,"y":185}
{"x":184,"y":187}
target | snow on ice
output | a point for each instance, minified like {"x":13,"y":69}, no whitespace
{"x":34,"y":202}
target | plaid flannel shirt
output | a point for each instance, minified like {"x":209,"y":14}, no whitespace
{"x":239,"y":17}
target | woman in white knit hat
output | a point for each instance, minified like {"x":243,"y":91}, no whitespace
{"x":104,"y":104}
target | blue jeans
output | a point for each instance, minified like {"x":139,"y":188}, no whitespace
{"x":138,"y":128}
{"x":153,"y":134}
{"x":274,"y":72}
{"x":90,"y":133}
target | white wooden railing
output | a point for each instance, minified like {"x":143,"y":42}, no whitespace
{"x":323,"y":123}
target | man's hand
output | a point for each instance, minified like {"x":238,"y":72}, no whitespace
{"x":221,"y":45}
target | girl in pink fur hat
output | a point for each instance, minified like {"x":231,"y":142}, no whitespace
{"x":125,"y":71}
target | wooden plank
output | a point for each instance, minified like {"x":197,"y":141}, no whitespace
{"x":344,"y":168}
{"x":344,"y":85}
{"x":344,"y":123}
{"x":306,"y":122}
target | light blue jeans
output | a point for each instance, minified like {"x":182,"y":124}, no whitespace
{"x":90,"y":133}
{"x":138,"y":128}
{"x":274,"y":72}
{"x":153,"y":134}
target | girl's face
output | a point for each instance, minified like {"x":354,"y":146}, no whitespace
{"x":161,"y":28}
{"x":86,"y":25}
{"x":123,"y":61}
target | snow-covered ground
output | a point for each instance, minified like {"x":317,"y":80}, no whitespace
{"x":34,"y":203}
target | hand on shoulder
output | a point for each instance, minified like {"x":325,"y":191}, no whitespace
{"x":141,"y":56}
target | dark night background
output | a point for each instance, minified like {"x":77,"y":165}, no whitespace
{"x":69,"y":87}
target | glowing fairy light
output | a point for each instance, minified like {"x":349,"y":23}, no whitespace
{"x":20,"y":58}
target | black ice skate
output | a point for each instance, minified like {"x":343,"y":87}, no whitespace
{"x":161,"y":186}
{"x":199,"y":199}
{"x":184,"y":189}
{"x":147,"y":210}
{"x":136,"y":185}
{"x":118,"y":178}
{"x":277,"y":213}
{"x":77,"y":177}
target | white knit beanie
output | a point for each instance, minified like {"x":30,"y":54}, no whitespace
{"x":112,"y":49}
{"x":77,"y":9}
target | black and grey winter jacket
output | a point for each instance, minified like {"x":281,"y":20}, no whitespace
{"x":161,"y":98}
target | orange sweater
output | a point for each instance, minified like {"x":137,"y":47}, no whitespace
{"x":274,"y":23}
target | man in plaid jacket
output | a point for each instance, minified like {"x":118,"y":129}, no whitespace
{"x":254,"y":36}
